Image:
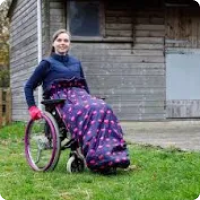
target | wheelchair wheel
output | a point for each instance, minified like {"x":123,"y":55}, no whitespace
{"x":75,"y":164}
{"x":42,"y":143}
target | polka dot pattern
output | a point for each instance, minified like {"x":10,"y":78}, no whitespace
{"x":93,"y":124}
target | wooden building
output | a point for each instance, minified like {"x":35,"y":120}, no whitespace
{"x":142,"y":55}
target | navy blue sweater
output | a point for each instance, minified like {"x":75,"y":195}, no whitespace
{"x":52,"y":68}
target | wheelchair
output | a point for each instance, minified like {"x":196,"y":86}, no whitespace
{"x":47,"y":137}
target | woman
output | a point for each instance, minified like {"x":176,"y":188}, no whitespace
{"x":90,"y":120}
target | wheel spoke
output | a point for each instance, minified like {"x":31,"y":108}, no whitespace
{"x":39,"y":153}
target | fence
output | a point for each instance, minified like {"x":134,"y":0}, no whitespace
{"x":5,"y":106}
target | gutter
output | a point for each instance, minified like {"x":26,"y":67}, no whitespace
{"x":39,"y":44}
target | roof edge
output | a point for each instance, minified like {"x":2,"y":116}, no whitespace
{"x":11,"y":7}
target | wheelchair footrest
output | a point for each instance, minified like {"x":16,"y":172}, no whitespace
{"x":72,"y":144}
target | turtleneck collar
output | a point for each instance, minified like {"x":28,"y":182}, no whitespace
{"x":62,"y":58}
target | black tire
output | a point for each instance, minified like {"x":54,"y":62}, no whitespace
{"x":75,"y":164}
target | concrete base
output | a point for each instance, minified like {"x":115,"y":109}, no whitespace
{"x":178,"y":134}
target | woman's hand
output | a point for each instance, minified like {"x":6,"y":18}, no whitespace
{"x":34,"y":112}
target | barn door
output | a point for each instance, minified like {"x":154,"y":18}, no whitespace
{"x":183,"y":84}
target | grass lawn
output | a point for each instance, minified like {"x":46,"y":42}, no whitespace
{"x":160,"y":174}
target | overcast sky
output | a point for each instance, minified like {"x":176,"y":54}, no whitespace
{"x":1,"y":1}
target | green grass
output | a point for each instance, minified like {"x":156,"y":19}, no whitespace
{"x":160,"y":174}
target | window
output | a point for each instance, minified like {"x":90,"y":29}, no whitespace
{"x":84,"y":18}
{"x":180,"y":3}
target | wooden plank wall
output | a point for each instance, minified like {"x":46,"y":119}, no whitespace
{"x":57,"y":15}
{"x":23,"y":48}
{"x":182,"y":28}
{"x":23,"y":53}
{"x":54,"y":18}
{"x":128,"y":65}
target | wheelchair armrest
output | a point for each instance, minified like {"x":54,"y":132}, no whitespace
{"x":101,"y":97}
{"x":52,"y":101}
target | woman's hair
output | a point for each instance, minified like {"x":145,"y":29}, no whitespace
{"x":55,"y":36}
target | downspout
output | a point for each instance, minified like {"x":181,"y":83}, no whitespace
{"x":39,"y":44}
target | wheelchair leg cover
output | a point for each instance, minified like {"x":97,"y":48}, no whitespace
{"x":94,"y":125}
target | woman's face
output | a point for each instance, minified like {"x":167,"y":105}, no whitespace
{"x":62,"y":44}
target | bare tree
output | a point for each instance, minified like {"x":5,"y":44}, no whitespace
{"x":4,"y":44}
{"x":4,"y":22}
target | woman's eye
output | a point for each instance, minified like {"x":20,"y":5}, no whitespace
{"x":60,"y":40}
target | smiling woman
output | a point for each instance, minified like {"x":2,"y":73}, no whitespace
{"x":61,"y":43}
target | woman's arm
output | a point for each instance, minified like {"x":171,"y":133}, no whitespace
{"x":34,"y":81}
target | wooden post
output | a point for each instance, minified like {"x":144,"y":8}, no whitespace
{"x":5,"y":102}
{"x":8,"y":106}
{"x":1,"y":106}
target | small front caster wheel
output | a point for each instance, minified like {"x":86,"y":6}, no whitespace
{"x":75,"y":164}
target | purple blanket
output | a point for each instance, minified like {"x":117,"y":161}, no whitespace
{"x":93,"y":124}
